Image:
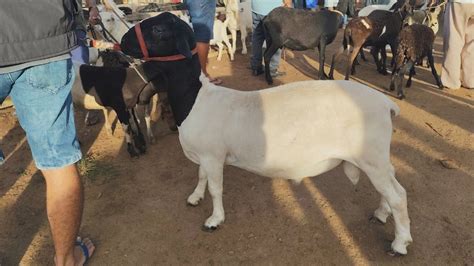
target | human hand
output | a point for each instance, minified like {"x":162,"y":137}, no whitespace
{"x":287,"y":3}
{"x":94,"y":16}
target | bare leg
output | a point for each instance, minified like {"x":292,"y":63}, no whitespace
{"x":64,"y":197}
{"x":203,"y":52}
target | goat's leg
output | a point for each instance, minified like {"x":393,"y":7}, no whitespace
{"x":233,"y":34}
{"x":229,"y":47}
{"x":138,"y":138}
{"x":335,"y":57}
{"x":362,"y":55}
{"x":410,"y":75}
{"x":394,"y":77}
{"x":433,"y":70}
{"x":128,"y":139}
{"x":322,"y":57}
{"x":374,"y":51}
{"x":350,"y":65}
{"x":383,"y":179}
{"x":149,"y":132}
{"x":219,"y":53}
{"x":383,"y":53}
{"x":200,"y":189}
{"x":108,"y":124}
{"x":214,"y":171}
{"x":401,"y":75}
{"x":382,"y":213}
{"x":243,"y":37}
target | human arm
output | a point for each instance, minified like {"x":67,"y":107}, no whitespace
{"x":94,"y":15}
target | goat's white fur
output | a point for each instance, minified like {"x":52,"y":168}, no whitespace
{"x":220,"y":37}
{"x":295,"y":131}
{"x":239,"y":17}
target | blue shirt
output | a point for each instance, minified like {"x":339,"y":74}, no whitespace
{"x":263,"y":7}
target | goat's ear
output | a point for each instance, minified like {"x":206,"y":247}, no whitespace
{"x":182,"y":45}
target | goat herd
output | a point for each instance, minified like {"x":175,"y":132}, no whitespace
{"x":291,"y":131}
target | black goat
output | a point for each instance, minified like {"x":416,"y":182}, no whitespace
{"x":415,"y":42}
{"x":120,"y":89}
{"x":299,"y":30}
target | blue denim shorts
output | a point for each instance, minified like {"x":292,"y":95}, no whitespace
{"x":202,"y":14}
{"x":42,"y":98}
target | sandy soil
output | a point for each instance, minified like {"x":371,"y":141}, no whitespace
{"x":135,"y":209}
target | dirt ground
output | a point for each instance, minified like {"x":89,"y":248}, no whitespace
{"x":136,"y":212}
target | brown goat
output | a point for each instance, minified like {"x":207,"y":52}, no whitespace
{"x":378,"y":29}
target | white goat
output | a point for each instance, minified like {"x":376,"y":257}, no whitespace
{"x":220,"y":36}
{"x":239,"y":17}
{"x":295,"y":131}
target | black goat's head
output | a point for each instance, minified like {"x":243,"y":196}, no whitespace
{"x":164,"y":35}
{"x":112,"y":58}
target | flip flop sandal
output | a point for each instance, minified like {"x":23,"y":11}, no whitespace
{"x":85,"y":250}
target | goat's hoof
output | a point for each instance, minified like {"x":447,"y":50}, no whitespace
{"x":269,"y":82}
{"x":173,"y":128}
{"x":394,"y":253}
{"x":440,"y":87}
{"x":192,"y":204}
{"x":193,"y":200}
{"x":244,"y":52}
{"x":408,"y":84}
{"x":401,"y":96}
{"x":152,"y":140}
{"x":133,"y":154}
{"x":375,"y":220}
{"x":208,"y":229}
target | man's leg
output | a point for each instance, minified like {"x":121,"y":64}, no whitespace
{"x":467,"y":77}
{"x":202,"y":14}
{"x":203,"y":53}
{"x":258,"y":37}
{"x":42,"y":97}
{"x":274,"y":64}
{"x":453,"y":43}
{"x":64,"y":199}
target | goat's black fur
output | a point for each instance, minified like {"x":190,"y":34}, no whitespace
{"x":299,"y":30}
{"x":167,"y":35}
{"x":415,"y":42}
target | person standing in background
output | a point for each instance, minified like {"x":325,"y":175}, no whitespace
{"x":458,"y":45}
{"x":260,"y":10}
{"x":202,"y":13}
